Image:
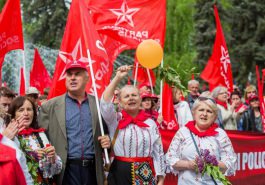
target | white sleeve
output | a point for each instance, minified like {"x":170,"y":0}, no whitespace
{"x":158,"y":154}
{"x":109,"y":114}
{"x":188,"y":115}
{"x":227,"y":154}
{"x":173,"y":153}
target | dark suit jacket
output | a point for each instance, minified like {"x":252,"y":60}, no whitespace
{"x":52,"y":118}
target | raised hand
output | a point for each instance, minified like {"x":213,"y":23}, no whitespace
{"x":11,"y":130}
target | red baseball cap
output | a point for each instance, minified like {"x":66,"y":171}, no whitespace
{"x":253,"y":97}
{"x":76,"y":64}
{"x":146,"y":95}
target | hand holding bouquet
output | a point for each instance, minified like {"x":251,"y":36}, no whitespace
{"x":209,"y":164}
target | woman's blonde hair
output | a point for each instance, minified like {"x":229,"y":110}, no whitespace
{"x":208,"y":99}
{"x":249,"y":89}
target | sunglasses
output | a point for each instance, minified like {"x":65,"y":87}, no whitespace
{"x":205,"y":99}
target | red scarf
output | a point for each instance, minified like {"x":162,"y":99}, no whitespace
{"x":224,"y":104}
{"x":29,"y":131}
{"x":209,"y":132}
{"x":239,"y":107}
{"x":138,"y":120}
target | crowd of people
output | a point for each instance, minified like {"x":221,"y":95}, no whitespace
{"x":59,"y":141}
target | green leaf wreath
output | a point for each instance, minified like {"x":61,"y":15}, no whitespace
{"x":174,"y":77}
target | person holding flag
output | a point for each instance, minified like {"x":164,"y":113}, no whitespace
{"x":136,"y":140}
{"x":72,"y":125}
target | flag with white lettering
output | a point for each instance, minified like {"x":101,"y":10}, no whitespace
{"x":81,"y":43}
{"x":123,"y":24}
{"x":218,"y":69}
{"x":11,"y":35}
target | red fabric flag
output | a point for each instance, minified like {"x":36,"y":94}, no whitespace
{"x":22,"y":82}
{"x":39,"y":76}
{"x":142,"y":76}
{"x":168,"y":109}
{"x":218,"y":69}
{"x":11,"y":36}
{"x":128,"y":21}
{"x":81,"y":43}
{"x":124,"y":24}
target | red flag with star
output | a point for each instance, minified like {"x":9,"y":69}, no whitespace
{"x":218,"y":69}
{"x":123,"y":24}
{"x":129,"y":21}
{"x":80,"y":38}
{"x":39,"y":76}
{"x":11,"y":35}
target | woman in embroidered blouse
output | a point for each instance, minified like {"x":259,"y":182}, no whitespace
{"x":137,"y":143}
{"x":34,"y":141}
{"x":182,"y":152}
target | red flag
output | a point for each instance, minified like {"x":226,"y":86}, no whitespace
{"x":80,"y":38}
{"x":128,"y":21}
{"x":142,"y":76}
{"x":168,"y":109}
{"x":124,"y":24}
{"x":11,"y":36}
{"x":39,"y":76}
{"x":218,"y":69}
{"x":22,"y":82}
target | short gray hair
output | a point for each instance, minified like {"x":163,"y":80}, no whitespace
{"x":126,"y":87}
{"x":207,"y":98}
{"x":193,"y":82}
{"x":217,"y":90}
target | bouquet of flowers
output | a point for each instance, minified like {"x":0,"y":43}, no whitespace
{"x":209,"y":164}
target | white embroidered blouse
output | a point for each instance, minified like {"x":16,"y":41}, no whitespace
{"x":134,"y":141}
{"x":47,"y":168}
{"x":182,"y":148}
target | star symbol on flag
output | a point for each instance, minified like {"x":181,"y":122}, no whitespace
{"x":125,"y":14}
{"x":75,"y":56}
{"x":225,"y":59}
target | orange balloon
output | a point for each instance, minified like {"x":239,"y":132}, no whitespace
{"x":149,"y":53}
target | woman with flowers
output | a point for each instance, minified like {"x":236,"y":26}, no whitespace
{"x":137,"y":145}
{"x":201,"y":152}
{"x":41,"y":156}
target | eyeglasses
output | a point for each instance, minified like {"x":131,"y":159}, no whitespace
{"x":205,"y":98}
{"x":221,"y":93}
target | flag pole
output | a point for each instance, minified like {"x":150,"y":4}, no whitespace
{"x":136,"y":73}
{"x":24,"y":67}
{"x":161,"y":88}
{"x":150,"y":80}
{"x":97,"y":103}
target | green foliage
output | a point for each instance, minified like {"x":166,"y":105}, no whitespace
{"x":248,"y":27}
{"x":173,"y":77}
{"x":179,"y":51}
{"x":2,"y":3}
{"x":44,"y":21}
{"x":32,"y":163}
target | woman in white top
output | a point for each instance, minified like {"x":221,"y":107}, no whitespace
{"x":181,"y":108}
{"x":137,"y":143}
{"x":228,"y":117}
{"x":207,"y":135}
